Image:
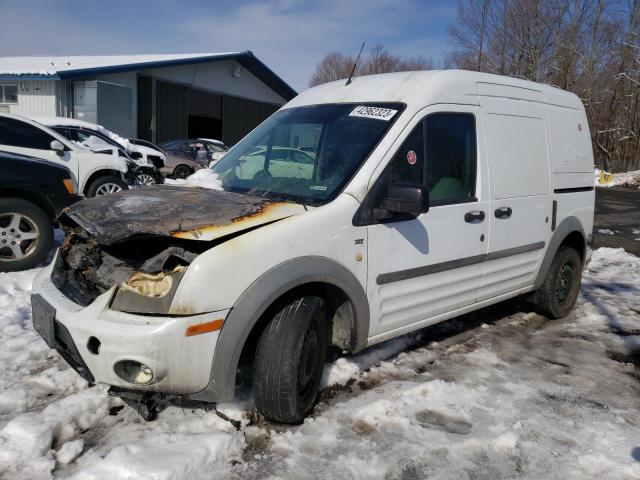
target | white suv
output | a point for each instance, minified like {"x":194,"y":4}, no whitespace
{"x":145,"y":163}
{"x":426,"y":195}
{"x":97,"y":173}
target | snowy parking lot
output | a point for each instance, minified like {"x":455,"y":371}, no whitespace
{"x":500,"y":393}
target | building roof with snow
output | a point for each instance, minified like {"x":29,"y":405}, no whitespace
{"x":69,"y":67}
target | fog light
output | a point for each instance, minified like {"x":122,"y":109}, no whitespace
{"x":133,"y":372}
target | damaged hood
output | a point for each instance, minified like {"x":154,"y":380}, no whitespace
{"x":182,"y":212}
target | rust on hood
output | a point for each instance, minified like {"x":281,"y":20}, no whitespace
{"x":268,"y":213}
{"x":189,"y":213}
{"x":140,"y":236}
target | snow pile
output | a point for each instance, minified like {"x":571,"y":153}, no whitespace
{"x":205,"y":178}
{"x":628,"y":179}
{"x":495,"y":394}
{"x":31,"y":376}
{"x":341,"y":371}
{"x":178,"y":445}
{"x":631,"y":178}
{"x":27,"y":441}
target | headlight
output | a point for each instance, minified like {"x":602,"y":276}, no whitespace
{"x":148,"y":293}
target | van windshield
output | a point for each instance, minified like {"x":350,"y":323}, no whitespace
{"x":306,"y":154}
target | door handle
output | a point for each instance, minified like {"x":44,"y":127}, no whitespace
{"x":503,"y":212}
{"x":475,"y":216}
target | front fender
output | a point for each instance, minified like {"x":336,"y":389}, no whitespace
{"x":259,"y":296}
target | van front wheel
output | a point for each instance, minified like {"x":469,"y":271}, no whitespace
{"x":559,"y":292}
{"x":289,"y":360}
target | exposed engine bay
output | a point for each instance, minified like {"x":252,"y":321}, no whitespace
{"x":141,"y":238}
{"x":84,"y":269}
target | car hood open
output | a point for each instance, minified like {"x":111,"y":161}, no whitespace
{"x":189,"y":213}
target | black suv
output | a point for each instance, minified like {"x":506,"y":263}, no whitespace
{"x":32,"y":194}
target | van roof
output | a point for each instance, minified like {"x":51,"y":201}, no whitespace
{"x":421,"y":88}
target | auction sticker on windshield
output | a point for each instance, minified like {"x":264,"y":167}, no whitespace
{"x":377,"y":113}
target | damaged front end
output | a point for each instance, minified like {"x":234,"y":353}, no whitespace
{"x":142,"y":241}
{"x":147,"y":270}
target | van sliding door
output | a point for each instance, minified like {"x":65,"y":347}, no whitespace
{"x":521,"y":203}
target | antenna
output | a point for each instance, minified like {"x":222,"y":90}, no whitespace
{"x":354,"y":65}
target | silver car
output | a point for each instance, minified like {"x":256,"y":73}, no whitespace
{"x":184,"y":157}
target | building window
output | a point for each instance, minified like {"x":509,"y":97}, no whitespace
{"x":8,"y":94}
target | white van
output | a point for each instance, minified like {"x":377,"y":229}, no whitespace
{"x":97,"y":173}
{"x":431,"y":194}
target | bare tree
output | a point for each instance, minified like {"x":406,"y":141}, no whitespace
{"x":336,"y":65}
{"x":590,"y":47}
{"x":470,"y":31}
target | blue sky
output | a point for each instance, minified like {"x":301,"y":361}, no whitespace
{"x":290,"y":36}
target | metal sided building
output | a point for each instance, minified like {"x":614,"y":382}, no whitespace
{"x":152,"y":97}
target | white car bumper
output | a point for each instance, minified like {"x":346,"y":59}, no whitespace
{"x":180,"y":364}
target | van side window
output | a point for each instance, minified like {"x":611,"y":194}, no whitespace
{"x":440,"y":153}
{"x":450,"y":172}
{"x":16,"y":133}
{"x":407,"y":165}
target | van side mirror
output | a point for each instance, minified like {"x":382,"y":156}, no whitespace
{"x":406,"y":198}
{"x":57,"y":146}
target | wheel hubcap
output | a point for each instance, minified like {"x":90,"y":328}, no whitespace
{"x":308,"y":368}
{"x":564,"y":282}
{"x":18,"y":236}
{"x":108,"y":188}
{"x":146,"y":179}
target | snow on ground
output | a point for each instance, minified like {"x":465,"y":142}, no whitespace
{"x":631,"y":179}
{"x":202,"y":178}
{"x":500,"y":393}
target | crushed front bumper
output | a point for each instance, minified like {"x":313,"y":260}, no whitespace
{"x":93,"y":339}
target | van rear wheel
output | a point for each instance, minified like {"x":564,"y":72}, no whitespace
{"x":290,"y":359}
{"x":559,"y":291}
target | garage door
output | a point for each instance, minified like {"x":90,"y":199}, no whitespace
{"x":172,"y":111}
{"x":240,"y":116}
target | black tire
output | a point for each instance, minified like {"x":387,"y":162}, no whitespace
{"x":182,"y":171}
{"x":107,"y":182}
{"x":289,"y":360}
{"x":31,"y":221}
{"x":559,"y":291}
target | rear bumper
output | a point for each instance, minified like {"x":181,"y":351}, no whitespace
{"x":180,"y":364}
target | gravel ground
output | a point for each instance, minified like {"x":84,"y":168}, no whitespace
{"x":617,"y":220}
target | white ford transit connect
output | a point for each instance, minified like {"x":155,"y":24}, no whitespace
{"x":422,"y":196}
